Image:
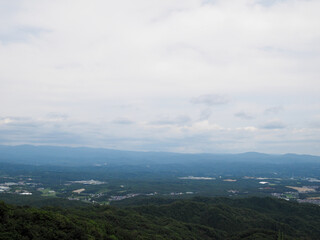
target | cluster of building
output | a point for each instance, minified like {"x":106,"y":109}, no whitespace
{"x":4,"y":188}
{"x":313,"y":201}
{"x":313,"y":180}
{"x":119,"y":198}
{"x":286,"y":195}
{"x":197,"y":178}
{"x":295,"y":196}
{"x":7,"y":188}
{"x":89,"y":182}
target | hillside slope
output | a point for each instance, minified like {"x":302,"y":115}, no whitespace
{"x":199,"y":218}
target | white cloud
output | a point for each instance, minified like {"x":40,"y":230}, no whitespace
{"x":210,"y":99}
{"x":5,"y":120}
{"x":244,"y":115}
{"x":274,"y":110}
{"x":89,"y":59}
{"x":274,"y":124}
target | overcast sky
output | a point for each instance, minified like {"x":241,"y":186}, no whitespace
{"x":220,"y":76}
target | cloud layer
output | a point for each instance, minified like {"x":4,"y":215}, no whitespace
{"x":187,"y":76}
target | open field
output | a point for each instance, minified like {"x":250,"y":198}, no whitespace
{"x":302,"y":189}
{"x":79,"y":190}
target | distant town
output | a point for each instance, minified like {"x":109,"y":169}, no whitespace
{"x":302,"y":190}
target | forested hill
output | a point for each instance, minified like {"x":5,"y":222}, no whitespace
{"x":82,"y":156}
{"x":198,"y":218}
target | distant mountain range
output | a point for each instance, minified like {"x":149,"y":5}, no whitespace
{"x":83,"y":156}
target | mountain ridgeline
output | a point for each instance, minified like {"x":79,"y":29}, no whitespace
{"x":83,"y":156}
{"x":155,"y":163}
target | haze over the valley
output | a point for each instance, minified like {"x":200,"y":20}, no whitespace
{"x":216,"y":76}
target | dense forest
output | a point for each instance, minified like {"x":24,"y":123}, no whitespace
{"x":161,"y":218}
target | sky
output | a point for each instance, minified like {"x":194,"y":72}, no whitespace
{"x":214,"y":76}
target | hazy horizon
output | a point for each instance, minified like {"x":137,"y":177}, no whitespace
{"x":150,"y":151}
{"x":193,"y":76}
